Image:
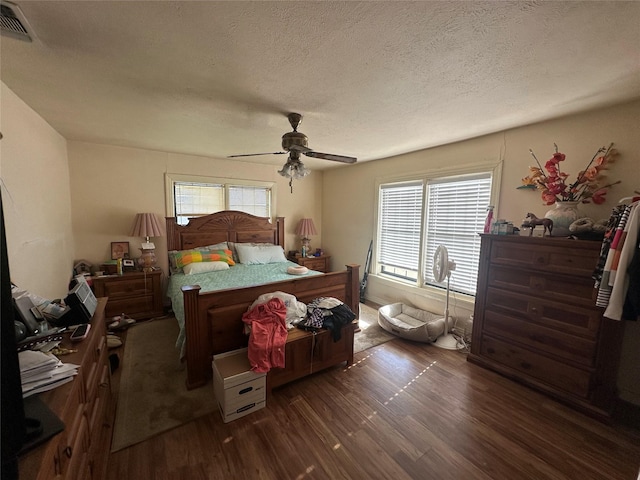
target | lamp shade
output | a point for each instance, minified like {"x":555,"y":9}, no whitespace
{"x":147,"y":225}
{"x":306,"y":228}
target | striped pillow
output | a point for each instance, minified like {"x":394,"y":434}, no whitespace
{"x":185,"y":257}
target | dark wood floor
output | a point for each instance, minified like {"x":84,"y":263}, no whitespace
{"x":403,"y":411}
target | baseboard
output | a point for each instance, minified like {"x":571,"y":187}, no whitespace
{"x":627,"y":414}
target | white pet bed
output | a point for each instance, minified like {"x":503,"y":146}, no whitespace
{"x":411,"y":323}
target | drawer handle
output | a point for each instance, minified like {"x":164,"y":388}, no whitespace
{"x":245,"y":390}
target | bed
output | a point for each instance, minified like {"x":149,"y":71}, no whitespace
{"x":211,"y":317}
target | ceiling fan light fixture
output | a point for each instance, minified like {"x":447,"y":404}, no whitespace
{"x":286,"y":170}
{"x":294,"y":169}
{"x":300,"y":170}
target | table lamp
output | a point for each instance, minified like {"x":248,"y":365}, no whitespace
{"x":147,"y":225}
{"x":305,"y":228}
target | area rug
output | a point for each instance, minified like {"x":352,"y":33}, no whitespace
{"x":370,"y":334}
{"x":152,"y":396}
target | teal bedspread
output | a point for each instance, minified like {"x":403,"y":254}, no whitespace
{"x":238,"y":276}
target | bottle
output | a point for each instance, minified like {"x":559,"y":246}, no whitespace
{"x":489,"y":220}
{"x":119,"y":266}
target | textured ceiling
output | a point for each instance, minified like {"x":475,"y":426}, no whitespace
{"x":372,"y":79}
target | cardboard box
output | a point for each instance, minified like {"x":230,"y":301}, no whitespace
{"x":238,"y":390}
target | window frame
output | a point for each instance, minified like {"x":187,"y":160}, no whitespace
{"x":467,"y":170}
{"x":172,"y":178}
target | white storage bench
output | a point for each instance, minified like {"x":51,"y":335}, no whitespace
{"x":410,"y":322}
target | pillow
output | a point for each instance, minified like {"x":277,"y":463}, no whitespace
{"x":217,"y":246}
{"x":173,"y":268}
{"x":234,"y":252}
{"x":260,"y":254}
{"x":185,"y":257}
{"x":203,"y":267}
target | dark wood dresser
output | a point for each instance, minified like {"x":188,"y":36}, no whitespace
{"x":85,"y":407}
{"x":535,"y":320}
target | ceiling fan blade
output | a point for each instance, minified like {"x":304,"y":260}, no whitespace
{"x":326,"y":156}
{"x":331,"y":156}
{"x":255,"y":154}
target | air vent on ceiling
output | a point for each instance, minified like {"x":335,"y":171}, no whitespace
{"x":13,"y":23}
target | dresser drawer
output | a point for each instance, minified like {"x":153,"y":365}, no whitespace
{"x":560,"y":344}
{"x":571,"y":289}
{"x":127,"y":287}
{"x":320,"y":264}
{"x":561,"y":316}
{"x":130,"y":306}
{"x":548,"y":258}
{"x":315,"y":264}
{"x":554,"y":373}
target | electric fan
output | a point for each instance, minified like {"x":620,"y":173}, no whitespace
{"x":442,"y":268}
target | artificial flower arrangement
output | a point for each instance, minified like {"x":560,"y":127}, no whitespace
{"x":587,"y":186}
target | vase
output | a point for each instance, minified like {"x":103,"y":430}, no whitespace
{"x":563,"y":215}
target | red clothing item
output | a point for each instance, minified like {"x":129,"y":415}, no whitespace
{"x":268,"y":335}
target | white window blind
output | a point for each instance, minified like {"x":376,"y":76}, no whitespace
{"x":455,"y":214}
{"x":254,"y":200}
{"x":400,"y":229}
{"x":196,"y":199}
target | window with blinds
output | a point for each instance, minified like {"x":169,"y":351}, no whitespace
{"x":417,"y":216}
{"x":455,"y":214}
{"x":195,"y":199}
{"x":400,"y":229}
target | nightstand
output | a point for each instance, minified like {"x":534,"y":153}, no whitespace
{"x":136,"y":294}
{"x":320,"y":264}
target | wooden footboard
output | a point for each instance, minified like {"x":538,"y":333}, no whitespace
{"x":213,"y":320}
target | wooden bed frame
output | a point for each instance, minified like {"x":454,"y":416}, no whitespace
{"x":213,"y":320}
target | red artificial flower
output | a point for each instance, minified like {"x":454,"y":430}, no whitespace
{"x":584,"y":189}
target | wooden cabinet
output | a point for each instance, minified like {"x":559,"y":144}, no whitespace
{"x":309,"y":352}
{"x":320,"y":264}
{"x":85,"y":407}
{"x":535,"y":320}
{"x":137,"y":294}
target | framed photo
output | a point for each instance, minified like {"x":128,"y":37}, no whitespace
{"x":119,"y":250}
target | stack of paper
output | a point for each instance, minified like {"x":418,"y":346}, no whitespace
{"x":41,"y":372}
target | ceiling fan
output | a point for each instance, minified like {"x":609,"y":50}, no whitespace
{"x":295,"y":143}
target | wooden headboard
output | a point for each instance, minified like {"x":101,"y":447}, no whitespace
{"x":225,"y":226}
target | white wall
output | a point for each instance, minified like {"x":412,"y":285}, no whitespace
{"x":349,"y":198}
{"x":36,"y":199}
